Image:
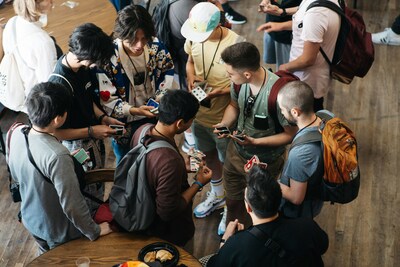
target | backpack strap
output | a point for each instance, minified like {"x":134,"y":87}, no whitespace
{"x":65,"y":79}
{"x":271,"y":244}
{"x":26,"y":131}
{"x":335,"y":8}
{"x":309,"y":137}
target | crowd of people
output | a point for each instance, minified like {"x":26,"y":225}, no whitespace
{"x":77,"y":99}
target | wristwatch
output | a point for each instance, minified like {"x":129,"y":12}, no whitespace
{"x":284,"y":14}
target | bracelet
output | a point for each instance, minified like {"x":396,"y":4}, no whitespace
{"x":101,"y":117}
{"x":199,"y":184}
{"x":90,"y":131}
{"x":222,"y":241}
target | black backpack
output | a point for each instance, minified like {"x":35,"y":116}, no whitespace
{"x":131,"y":202}
{"x":161,"y":24}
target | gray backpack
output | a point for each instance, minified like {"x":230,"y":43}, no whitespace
{"x":131,"y":202}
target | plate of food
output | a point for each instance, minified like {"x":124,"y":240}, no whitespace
{"x":160,"y":252}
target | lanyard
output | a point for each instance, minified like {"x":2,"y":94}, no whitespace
{"x":212,"y":61}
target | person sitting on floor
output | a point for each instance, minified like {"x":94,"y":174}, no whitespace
{"x":53,"y":209}
{"x":292,"y":242}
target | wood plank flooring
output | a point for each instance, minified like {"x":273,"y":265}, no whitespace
{"x":363,"y":233}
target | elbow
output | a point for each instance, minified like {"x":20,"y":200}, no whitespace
{"x":297,"y":201}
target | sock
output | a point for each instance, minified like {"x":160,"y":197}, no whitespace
{"x":217,"y":187}
{"x":189,"y":138}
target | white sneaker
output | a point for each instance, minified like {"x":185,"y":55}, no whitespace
{"x":387,"y":37}
{"x":222,"y":223}
{"x":211,"y":203}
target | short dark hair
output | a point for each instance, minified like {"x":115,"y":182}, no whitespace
{"x":130,"y":19}
{"x":177,"y":104}
{"x":263,"y":193}
{"x":89,"y":42}
{"x":242,"y":56}
{"x":297,"y":94}
{"x":46,"y":101}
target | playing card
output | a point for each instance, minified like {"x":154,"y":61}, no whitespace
{"x":194,"y":164}
{"x":197,"y":154}
{"x":199,"y":93}
{"x":250,"y":163}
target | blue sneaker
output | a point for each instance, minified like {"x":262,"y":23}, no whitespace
{"x":222,"y":223}
{"x":211,"y":203}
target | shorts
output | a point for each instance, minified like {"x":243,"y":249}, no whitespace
{"x":234,"y":177}
{"x":206,"y":140}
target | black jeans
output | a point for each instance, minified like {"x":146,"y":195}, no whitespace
{"x":318,"y":104}
{"x":396,"y":25}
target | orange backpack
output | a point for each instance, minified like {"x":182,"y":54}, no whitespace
{"x":341,"y":180}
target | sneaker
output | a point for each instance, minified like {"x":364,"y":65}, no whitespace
{"x":222,"y":223}
{"x":186,"y":146}
{"x":387,"y":37}
{"x":234,"y":18}
{"x":211,"y":203}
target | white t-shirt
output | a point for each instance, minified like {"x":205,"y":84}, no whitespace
{"x":37,"y":53}
{"x":318,"y":25}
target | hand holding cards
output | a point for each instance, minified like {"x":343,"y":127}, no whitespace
{"x":119,"y":129}
{"x":222,"y":130}
{"x":81,"y":156}
{"x":254,"y":161}
{"x":196,"y":157}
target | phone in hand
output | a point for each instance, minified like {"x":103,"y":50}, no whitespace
{"x":223,"y":130}
{"x":238,"y":137}
{"x":151,"y":102}
{"x":81,"y":156}
{"x":119,"y":128}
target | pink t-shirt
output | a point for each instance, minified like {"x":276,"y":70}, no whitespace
{"x":318,"y":25}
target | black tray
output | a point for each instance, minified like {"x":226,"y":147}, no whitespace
{"x":158,"y":246}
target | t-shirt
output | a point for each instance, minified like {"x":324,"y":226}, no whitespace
{"x":56,"y":211}
{"x":81,"y":114}
{"x":305,"y":163}
{"x":259,"y":123}
{"x":301,"y":238}
{"x":318,"y":25}
{"x":217,"y":78}
{"x":167,"y":177}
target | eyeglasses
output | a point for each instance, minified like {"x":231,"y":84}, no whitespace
{"x":139,"y":78}
{"x":249,"y":105}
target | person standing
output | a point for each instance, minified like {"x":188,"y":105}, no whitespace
{"x":304,"y":168}
{"x":53,"y":211}
{"x":312,"y":29}
{"x":166,"y":170}
{"x":248,"y":113}
{"x":205,"y":41}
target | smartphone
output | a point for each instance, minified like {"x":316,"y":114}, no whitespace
{"x":223,"y":130}
{"x":81,"y":156}
{"x":238,"y":137}
{"x":119,"y":128}
{"x":151,"y":102}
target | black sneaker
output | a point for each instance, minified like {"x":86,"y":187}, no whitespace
{"x":234,"y":18}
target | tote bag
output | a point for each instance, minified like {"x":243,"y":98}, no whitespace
{"x":12,"y":92}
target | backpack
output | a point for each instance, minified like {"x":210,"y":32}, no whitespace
{"x":161,"y":23}
{"x":284,"y":78}
{"x":12,"y":90}
{"x":341,"y":180}
{"x":354,"y":50}
{"x":131,"y":202}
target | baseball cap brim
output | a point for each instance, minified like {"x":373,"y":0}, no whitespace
{"x":197,"y":37}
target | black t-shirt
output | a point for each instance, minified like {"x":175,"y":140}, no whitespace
{"x":282,"y":36}
{"x":301,"y":238}
{"x":81,"y":113}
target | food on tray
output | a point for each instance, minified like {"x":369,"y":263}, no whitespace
{"x":164,"y":255}
{"x":150,"y":256}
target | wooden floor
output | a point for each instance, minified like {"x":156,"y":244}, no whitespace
{"x":363,"y":233}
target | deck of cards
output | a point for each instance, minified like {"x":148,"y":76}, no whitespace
{"x":254,"y":161}
{"x":200,"y":90}
{"x":195,"y":157}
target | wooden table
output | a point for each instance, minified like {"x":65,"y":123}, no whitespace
{"x":107,"y":250}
